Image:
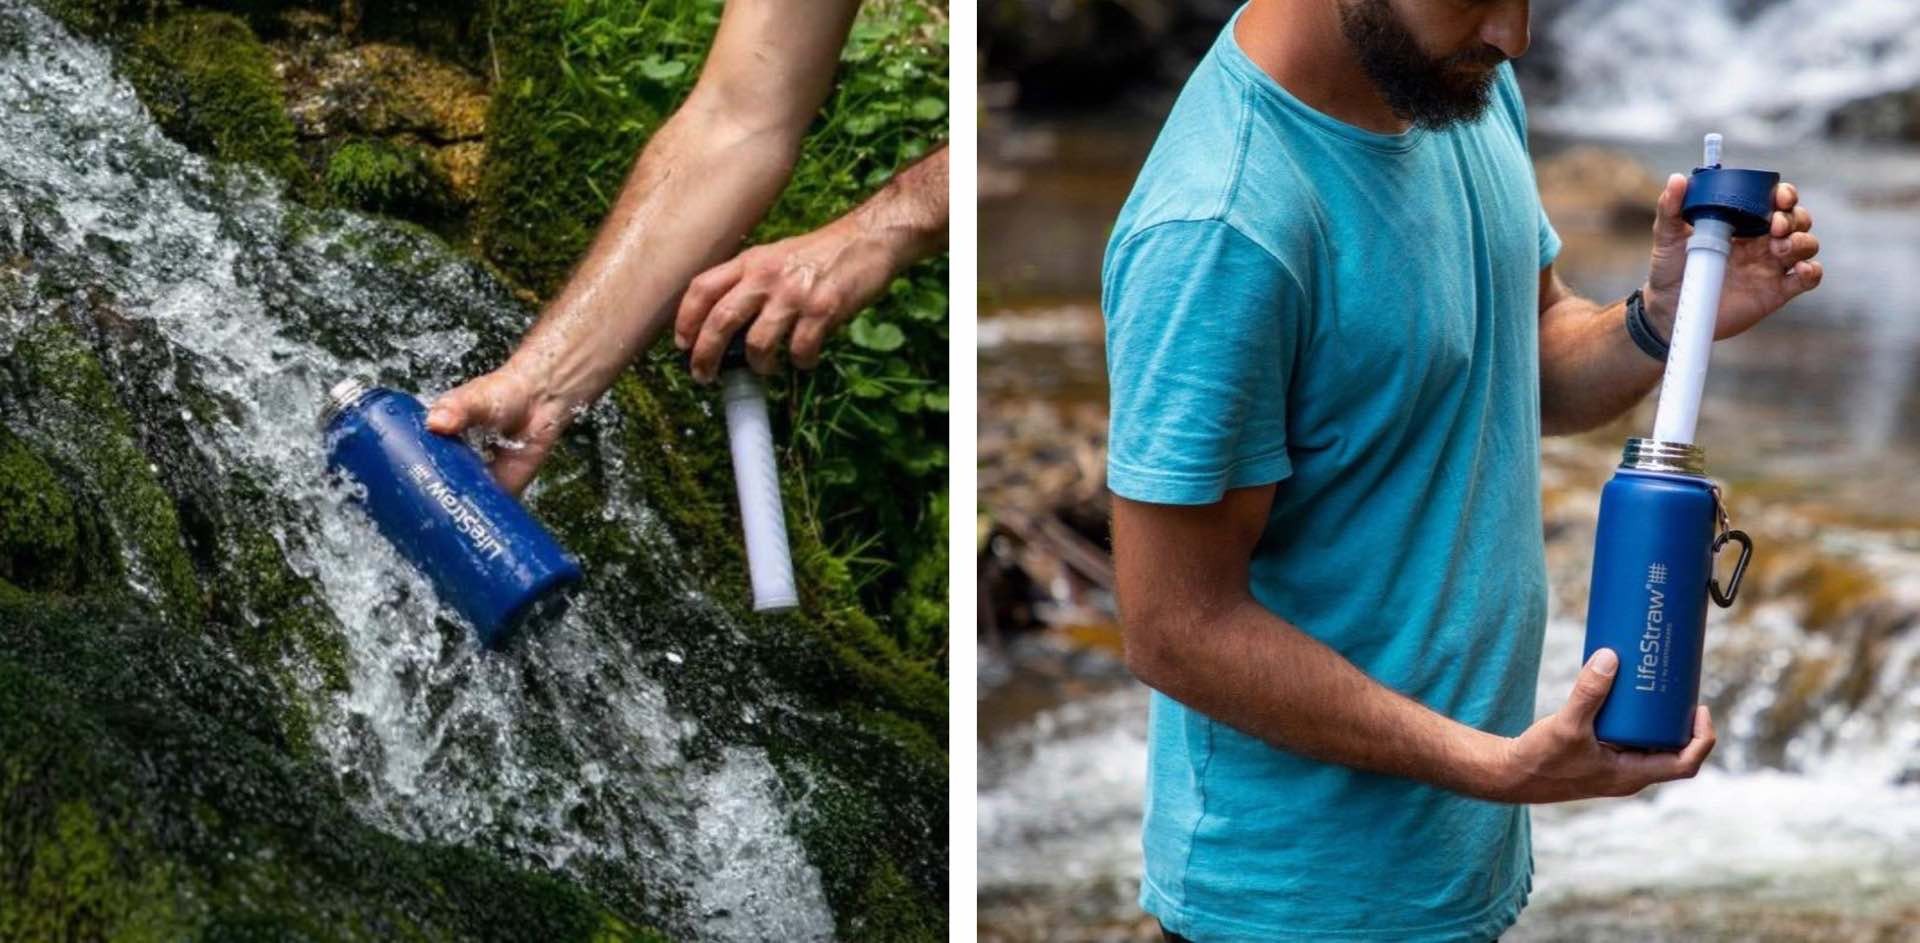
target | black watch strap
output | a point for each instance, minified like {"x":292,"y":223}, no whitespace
{"x":1642,"y":332}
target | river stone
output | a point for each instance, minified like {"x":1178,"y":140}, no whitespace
{"x":378,"y":88}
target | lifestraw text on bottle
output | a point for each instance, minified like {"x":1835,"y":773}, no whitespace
{"x":467,"y":519}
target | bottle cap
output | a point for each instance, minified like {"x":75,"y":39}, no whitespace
{"x":1740,"y":198}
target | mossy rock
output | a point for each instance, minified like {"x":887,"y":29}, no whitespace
{"x":209,"y":82}
{"x":142,"y":798}
{"x":101,"y":17}
{"x":39,"y":537}
{"x":83,"y":428}
{"x":386,"y":177}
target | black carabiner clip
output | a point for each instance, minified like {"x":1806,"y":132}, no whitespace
{"x":1725,"y":600}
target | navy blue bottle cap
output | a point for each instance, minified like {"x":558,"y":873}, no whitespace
{"x":1743,"y":198}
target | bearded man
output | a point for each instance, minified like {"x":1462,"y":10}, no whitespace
{"x":1334,"y":339}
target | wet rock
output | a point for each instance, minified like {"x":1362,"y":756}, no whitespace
{"x":460,"y":165}
{"x":210,"y":84}
{"x":1888,"y":116}
{"x":379,"y":89}
{"x":384,"y":177}
{"x":39,"y":538}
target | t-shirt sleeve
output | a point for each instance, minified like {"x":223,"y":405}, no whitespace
{"x":1516,"y":108}
{"x":1549,"y":240}
{"x":1202,"y":325}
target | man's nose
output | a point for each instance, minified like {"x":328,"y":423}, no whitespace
{"x":1506,"y":28}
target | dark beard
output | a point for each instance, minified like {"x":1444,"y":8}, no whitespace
{"x":1428,"y":92}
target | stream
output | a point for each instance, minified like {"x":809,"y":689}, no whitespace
{"x":566,"y":753}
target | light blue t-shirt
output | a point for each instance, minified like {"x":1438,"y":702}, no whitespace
{"x":1354,"y":316}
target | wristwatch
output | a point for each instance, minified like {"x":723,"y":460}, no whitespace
{"x":1642,"y":332}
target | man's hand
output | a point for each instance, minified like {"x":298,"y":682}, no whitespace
{"x":1762,"y":274}
{"x":516,"y":408}
{"x":1558,"y":758}
{"x":799,"y":290}
{"x":806,"y":287}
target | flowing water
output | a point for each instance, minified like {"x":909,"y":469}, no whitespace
{"x":1806,"y":823}
{"x":1768,"y":70}
{"x":565,"y":752}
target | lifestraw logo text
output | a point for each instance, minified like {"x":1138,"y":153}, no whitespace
{"x":1654,"y":639}
{"x":465,"y":518}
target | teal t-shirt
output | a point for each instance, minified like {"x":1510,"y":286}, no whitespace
{"x":1354,"y":316}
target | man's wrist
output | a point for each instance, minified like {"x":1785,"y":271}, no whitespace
{"x":1641,"y":330}
{"x":1660,"y":307}
{"x":1488,"y":766}
{"x":548,"y":376}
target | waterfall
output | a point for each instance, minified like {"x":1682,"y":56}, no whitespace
{"x":565,"y":752}
{"x":1771,"y":70}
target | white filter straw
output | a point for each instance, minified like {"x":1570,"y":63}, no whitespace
{"x":750,"y":436}
{"x":1675,"y":419}
{"x":1693,"y":323}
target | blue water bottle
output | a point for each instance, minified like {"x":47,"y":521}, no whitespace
{"x":431,"y":496}
{"x":1662,"y":521}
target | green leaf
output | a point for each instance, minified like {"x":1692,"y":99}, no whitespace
{"x":865,"y":387}
{"x":865,"y":123}
{"x":927,"y":109}
{"x":880,"y":336}
{"x":660,"y":70}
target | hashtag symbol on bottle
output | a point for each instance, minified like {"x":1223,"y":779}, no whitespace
{"x":1657,"y":573}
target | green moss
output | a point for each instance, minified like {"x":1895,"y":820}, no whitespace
{"x":98,"y":17}
{"x":209,"y":83}
{"x":890,"y":910}
{"x":383,"y":177}
{"x":142,"y":798}
{"x":920,"y":609}
{"x":88,"y":433}
{"x":39,"y":539}
{"x":81,"y":883}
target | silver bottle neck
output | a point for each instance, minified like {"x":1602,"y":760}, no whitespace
{"x":341,"y":398}
{"x":1673,"y":458}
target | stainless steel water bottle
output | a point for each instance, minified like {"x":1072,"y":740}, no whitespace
{"x":1661,"y":523}
{"x":432,"y":497}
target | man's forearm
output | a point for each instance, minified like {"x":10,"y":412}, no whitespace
{"x":909,"y":214}
{"x":1252,"y":670}
{"x":1590,"y":369}
{"x":699,"y":186}
{"x":703,"y":181}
